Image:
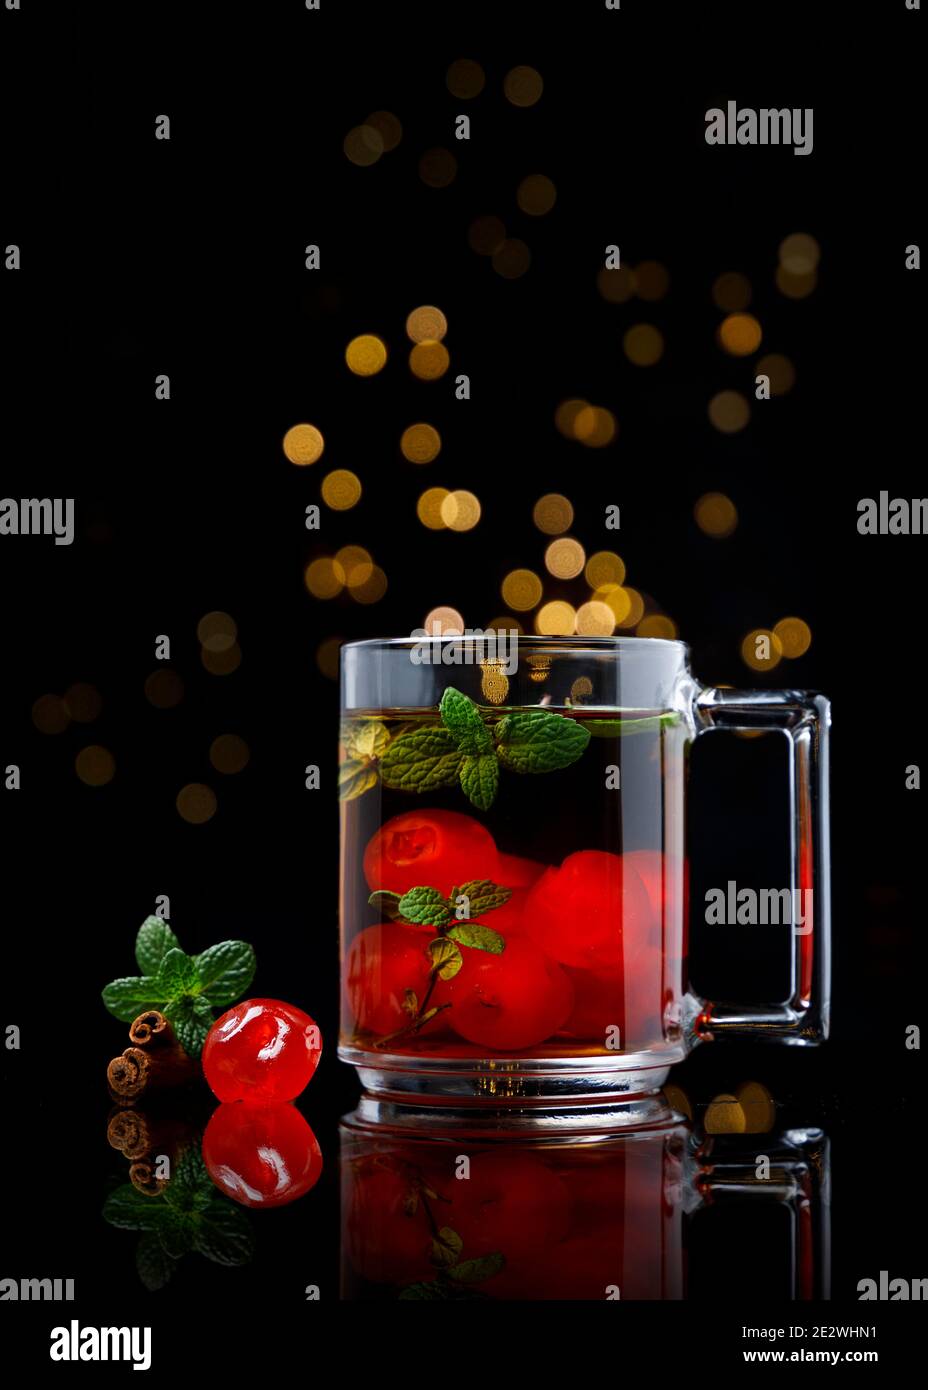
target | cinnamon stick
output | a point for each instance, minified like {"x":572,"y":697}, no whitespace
{"x":159,"y":1062}
{"x":151,"y":1029}
{"x":136,"y":1134}
{"x":142,"y":1177}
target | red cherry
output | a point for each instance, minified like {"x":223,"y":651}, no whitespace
{"x":383,"y":962}
{"x":508,"y":1001}
{"x":516,"y":872}
{"x":508,"y":917}
{"x":593,"y":912}
{"x":262,"y":1051}
{"x":435,"y":849}
{"x":512,"y":1204}
{"x":599,"y":1005}
{"x":387,"y":1234}
{"x":261,"y":1155}
{"x":644,"y":1002}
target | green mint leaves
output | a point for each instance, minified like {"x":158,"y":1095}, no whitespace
{"x":467,"y":749}
{"x":619,"y":728}
{"x":186,"y":989}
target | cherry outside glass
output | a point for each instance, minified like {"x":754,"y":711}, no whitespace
{"x":514,"y":877}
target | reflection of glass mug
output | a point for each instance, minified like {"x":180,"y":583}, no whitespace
{"x":514,"y":874}
{"x":624,"y":1217}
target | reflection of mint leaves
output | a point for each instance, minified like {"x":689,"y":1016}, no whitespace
{"x":184,"y":988}
{"x":539,"y":741}
{"x":618,"y":728}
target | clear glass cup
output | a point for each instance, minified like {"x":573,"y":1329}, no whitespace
{"x":514,"y":875}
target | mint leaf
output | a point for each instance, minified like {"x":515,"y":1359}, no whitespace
{"x":178,"y":974}
{"x":479,"y":937}
{"x":191,"y":1020}
{"x":223,"y":1234}
{"x":131,"y":1210}
{"x":421,"y":761}
{"x":154,"y":1265}
{"x":369,"y":739}
{"x":152,"y":944}
{"x":461,"y":716}
{"x":424,"y":907}
{"x":618,"y":728}
{"x":539,"y":741}
{"x":482,"y":895}
{"x":386,"y":902}
{"x":480,"y":779}
{"x":445,"y":957}
{"x":131,"y":996}
{"x":225,"y":971}
{"x":446,"y":1246}
{"x":355,"y":777}
{"x":473,"y":1271}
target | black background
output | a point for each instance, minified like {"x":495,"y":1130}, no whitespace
{"x":186,"y":257}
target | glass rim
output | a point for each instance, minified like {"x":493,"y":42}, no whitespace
{"x":575,"y":642}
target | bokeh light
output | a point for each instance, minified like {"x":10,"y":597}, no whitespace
{"x":732,"y":292}
{"x":505,"y":622}
{"x":780,"y":370}
{"x":553,"y":514}
{"x":794,"y":636}
{"x":729,"y":411}
{"x":616,"y":286}
{"x":420,"y":443}
{"x":95,"y":766}
{"x":327,"y":654}
{"x":595,"y":619}
{"x":795,"y":286}
{"x":740,"y":334}
{"x":387,"y":126}
{"x":761,"y":649}
{"x":303,"y":444}
{"x":465,"y":79}
{"x":565,"y":417}
{"x":521,"y":590}
{"x":222,"y":663}
{"x":627,"y":604}
{"x":354,"y":565}
{"x":426,"y":324}
{"x":229,"y":754}
{"x":512,"y":258}
{"x":799,"y":254}
{"x":444,"y":622}
{"x":438,"y":168}
{"x":594,"y":426}
{"x":428,"y":508}
{"x":657,"y":625}
{"x":652,"y":280}
{"x":643,"y":344}
{"x":716,"y":515}
{"x":429,"y":360}
{"x":217,"y":631}
{"x":523,"y":86}
{"x":494,"y":683}
{"x":50,"y":714}
{"x":196,"y":803}
{"x":164,"y":689}
{"x":341,"y":489}
{"x":460,"y":510}
{"x":486,"y":235}
{"x":366,"y":355}
{"x":605,"y":567}
{"x":565,"y":558}
{"x":323,"y":578}
{"x":373,"y":588}
{"x":363,"y":145}
{"x":536,"y":195}
{"x":83,"y":702}
{"x":555,"y":619}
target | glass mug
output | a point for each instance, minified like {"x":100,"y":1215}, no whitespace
{"x":513,"y":897}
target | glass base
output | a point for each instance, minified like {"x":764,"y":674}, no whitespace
{"x":554,"y":1095}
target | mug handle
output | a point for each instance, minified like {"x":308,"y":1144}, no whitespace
{"x":805,"y":718}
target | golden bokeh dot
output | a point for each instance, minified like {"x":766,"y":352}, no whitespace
{"x":83,"y":702}
{"x":228,"y":753}
{"x":354,"y":563}
{"x":428,"y":508}
{"x":540,"y":668}
{"x":536,"y":195}
{"x":732,"y":292}
{"x":460,"y":510}
{"x":595,"y":619}
{"x":555,"y":619}
{"x":761,"y":649}
{"x":716,"y":515}
{"x":196,"y":803}
{"x":373,"y":588}
{"x":426,"y":324}
{"x":652,"y":280}
{"x":366,"y":355}
{"x":523,"y":86}
{"x":303,"y":444}
{"x":486,"y":235}
{"x":512,"y":258}
{"x":323,"y":578}
{"x":740,"y":334}
{"x":780,"y":370}
{"x":605,"y":567}
{"x":799,"y":253}
{"x":164,"y":689}
{"x":50,"y":714}
{"x":429,"y":360}
{"x":465,"y":79}
{"x":657,"y":625}
{"x":553,"y":514}
{"x":95,"y":766}
{"x":438,"y":168}
{"x":363,"y":145}
{"x":494,"y":683}
{"x":565,"y":558}
{"x":758,"y":1105}
{"x":595,"y":426}
{"x":729,"y":411}
{"x":222,"y":663}
{"x":327,"y":657}
{"x":633,"y":604}
{"x":420,"y":443}
{"x":724,"y":1116}
{"x":795,"y":286}
{"x":794,"y":635}
{"x":582,"y":687}
{"x":521,"y":590}
{"x":565,"y":417}
{"x":505,"y":622}
{"x":341,"y":489}
{"x":616,"y":286}
{"x":441,"y":622}
{"x":387,"y":126}
{"x":217,"y":631}
{"x":617,"y":599}
{"x":643,"y":344}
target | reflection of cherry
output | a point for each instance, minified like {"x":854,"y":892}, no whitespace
{"x":261,"y":1155}
{"x":435,"y":849}
{"x":383,"y":962}
{"x":593,"y":912}
{"x":512,"y":1204}
{"x":507,"y":1001}
{"x":388,"y":1238}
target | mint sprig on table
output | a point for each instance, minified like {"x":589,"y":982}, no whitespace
{"x":186,"y":989}
{"x":465,"y":748}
